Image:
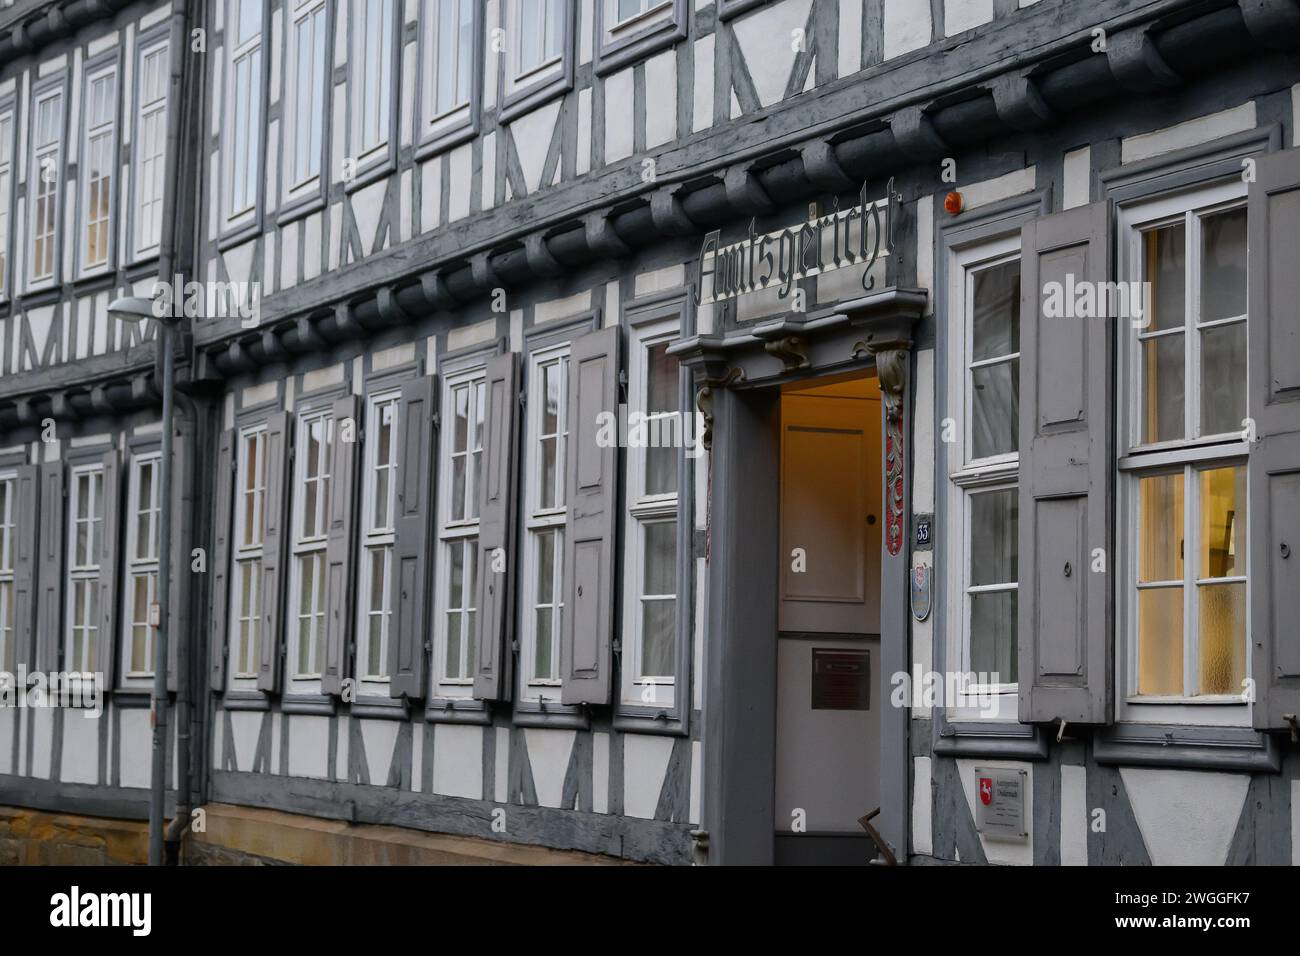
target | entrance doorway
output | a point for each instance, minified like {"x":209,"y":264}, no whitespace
{"x":828,"y":612}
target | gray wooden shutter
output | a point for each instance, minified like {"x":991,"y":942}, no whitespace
{"x":340,"y":544}
{"x":1274,"y":406}
{"x":275,"y":543}
{"x":219,"y":560}
{"x":105,"y":660}
{"x":49,"y":636}
{"x":180,"y":589}
{"x":1066,"y":610}
{"x":408,"y":627}
{"x":28,"y":482}
{"x":586,"y":637}
{"x":492,"y":672}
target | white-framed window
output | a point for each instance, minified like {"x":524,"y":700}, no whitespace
{"x":649,"y":669}
{"x":371,"y":78}
{"x":449,"y":66}
{"x":378,"y":533}
{"x":306,"y":68}
{"x":983,"y":472}
{"x":98,"y":164}
{"x":45,"y":180}
{"x":544,"y":521}
{"x":151,"y":146}
{"x":459,"y":472}
{"x":311,"y":490}
{"x":629,"y":14}
{"x":144,"y":522}
{"x":246,"y":575}
{"x":6,"y":190}
{"x":8,"y":488}
{"x":539,"y":39}
{"x":1182,"y":430}
{"x":85,"y":534}
{"x":244,"y":106}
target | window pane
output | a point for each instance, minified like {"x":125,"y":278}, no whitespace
{"x":1223,"y":523}
{"x":545,"y":566}
{"x":993,"y":635}
{"x":1163,"y":372}
{"x":446,"y":53}
{"x":661,"y":470}
{"x":1223,"y":638}
{"x":1165,"y":258}
{"x":1160,"y":529}
{"x":657,"y":638}
{"x":542,"y":667}
{"x":994,"y":537}
{"x":628,"y":8}
{"x":1223,"y":265}
{"x":660,"y":558}
{"x":546,"y":496}
{"x":458,"y":488}
{"x":995,"y":395}
{"x":460,"y":437}
{"x":453,"y":644}
{"x":995,"y":321}
{"x":1223,"y":378}
{"x":661,"y":380}
{"x":551,"y":391}
{"x":1160,"y":641}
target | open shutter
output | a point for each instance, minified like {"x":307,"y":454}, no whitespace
{"x":492,"y":672}
{"x":110,"y":530}
{"x":1274,"y":404}
{"x":408,"y":627}
{"x":586,"y":637}
{"x":219,"y":560}
{"x":50,"y":575}
{"x":28,"y":483}
{"x":340,"y":544}
{"x":274,"y":543}
{"x":1066,"y":611}
{"x":180,"y":584}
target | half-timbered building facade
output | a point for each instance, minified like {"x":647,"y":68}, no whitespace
{"x":669,"y":430}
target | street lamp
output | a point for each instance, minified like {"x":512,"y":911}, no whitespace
{"x":140,"y":310}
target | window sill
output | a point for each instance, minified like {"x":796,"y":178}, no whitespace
{"x":299,"y":208}
{"x":372,"y":172}
{"x":445,"y":139}
{"x":537,"y":93}
{"x":629,"y":43}
{"x":385,"y":708}
{"x":1199,"y":748}
{"x":144,"y":266}
{"x":246,"y":700}
{"x":307,"y":703}
{"x":991,"y":739}
{"x":642,"y":719}
{"x":456,"y":710}
{"x":238,"y":236}
{"x":534,"y":713}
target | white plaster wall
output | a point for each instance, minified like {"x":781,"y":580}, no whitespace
{"x":1002,"y":851}
{"x":1077,"y":178}
{"x":922,"y":807}
{"x":907,"y":26}
{"x":245,"y":725}
{"x":618,"y":121}
{"x":548,"y":755}
{"x":661,"y":99}
{"x":379,"y":736}
{"x":367,"y":207}
{"x":8,"y":755}
{"x":1074,"y":815}
{"x":309,"y":745}
{"x":135,"y":748}
{"x":645,"y":760}
{"x":81,"y":746}
{"x":1190,"y":133}
{"x":1187,"y":817}
{"x":962,"y":15}
{"x":767,"y":39}
{"x":600,"y":772}
{"x":702,"y":112}
{"x":458,"y":760}
{"x":532,"y":134}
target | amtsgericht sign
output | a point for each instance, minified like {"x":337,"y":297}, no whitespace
{"x":859,"y":235}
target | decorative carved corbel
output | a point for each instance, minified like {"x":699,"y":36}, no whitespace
{"x":792,"y":350}
{"x":891,"y":371}
{"x":704,"y":399}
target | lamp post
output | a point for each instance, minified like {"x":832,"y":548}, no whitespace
{"x":137,"y":309}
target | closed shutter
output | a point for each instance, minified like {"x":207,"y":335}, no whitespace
{"x":110,"y":531}
{"x":340,"y":544}
{"x":27,"y":519}
{"x":408,"y":627}
{"x":50,"y":576}
{"x":219,"y":560}
{"x":493,"y":669}
{"x":1066,"y":609}
{"x":275,"y":541}
{"x":586,"y":636}
{"x":179,"y":587}
{"x":1274,"y":472}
